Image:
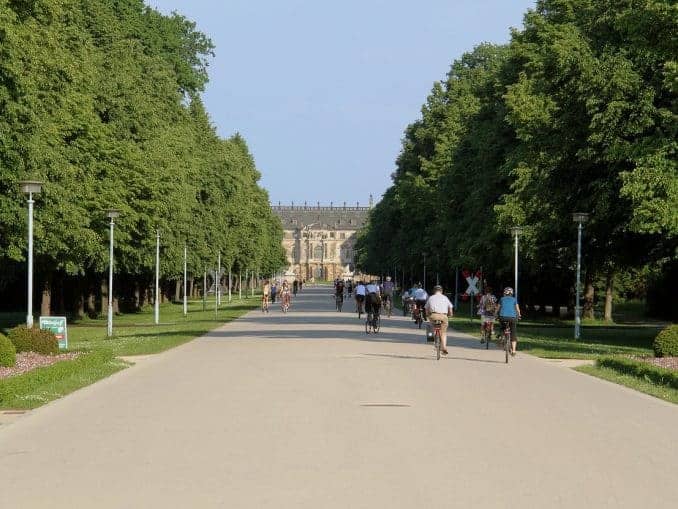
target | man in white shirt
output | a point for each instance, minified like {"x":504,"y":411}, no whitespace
{"x":439,"y":307}
{"x":373,"y":298}
{"x":360,"y":291}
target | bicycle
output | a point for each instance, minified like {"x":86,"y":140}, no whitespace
{"x":388,"y":306}
{"x":416,"y":314}
{"x":264,"y":304}
{"x":285,"y":303}
{"x":339,"y":302}
{"x":486,"y":335}
{"x":505,"y":338}
{"x":359,"y":308}
{"x":373,"y":322}
{"x":437,"y":338}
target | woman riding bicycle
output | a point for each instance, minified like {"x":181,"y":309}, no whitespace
{"x":509,"y":313}
{"x":285,"y":293}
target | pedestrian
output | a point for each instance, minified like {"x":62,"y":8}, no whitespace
{"x":274,"y":291}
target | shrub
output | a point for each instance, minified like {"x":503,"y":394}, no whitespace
{"x":33,"y":340}
{"x":666,"y":342}
{"x":7,"y":352}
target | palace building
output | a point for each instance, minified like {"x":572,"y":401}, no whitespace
{"x":320,"y":240}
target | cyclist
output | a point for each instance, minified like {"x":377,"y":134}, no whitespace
{"x":439,"y":307}
{"x":387,"y":290}
{"x":420,"y":298}
{"x":407,"y":302}
{"x":295,"y":287}
{"x":360,"y":292}
{"x":509,"y":313}
{"x":349,"y":287}
{"x":339,"y":290}
{"x":372,"y":299}
{"x":488,"y":313}
{"x":265,"y":293}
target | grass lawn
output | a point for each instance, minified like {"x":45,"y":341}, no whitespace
{"x":134,"y":334}
{"x":633,"y":381}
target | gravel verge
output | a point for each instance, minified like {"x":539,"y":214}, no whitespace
{"x":28,"y":361}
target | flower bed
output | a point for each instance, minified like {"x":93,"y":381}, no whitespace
{"x":28,"y":361}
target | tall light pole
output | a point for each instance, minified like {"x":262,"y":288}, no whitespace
{"x":580,"y":218}
{"x":156,"y":307}
{"x":218,"y":287}
{"x":516,"y":231}
{"x":185,"y":278}
{"x":424,"y":253}
{"x":30,"y":187}
{"x":111,"y":214}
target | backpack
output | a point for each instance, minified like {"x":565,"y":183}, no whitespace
{"x":490,"y":305}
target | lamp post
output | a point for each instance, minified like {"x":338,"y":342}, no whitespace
{"x":110,"y":214}
{"x":30,"y":187}
{"x":580,"y":218}
{"x":185,"y":278}
{"x":424,"y":253}
{"x":515,"y":231}
{"x":218,"y":287}
{"x":156,"y":307}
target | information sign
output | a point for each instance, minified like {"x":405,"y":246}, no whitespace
{"x":56,"y":324}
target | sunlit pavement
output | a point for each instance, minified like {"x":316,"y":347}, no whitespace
{"x":305,"y":410}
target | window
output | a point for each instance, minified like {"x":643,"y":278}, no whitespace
{"x":343,"y":236}
{"x":331,"y":235}
{"x":318,"y":252}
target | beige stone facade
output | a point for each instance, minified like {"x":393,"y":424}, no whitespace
{"x":320,"y":240}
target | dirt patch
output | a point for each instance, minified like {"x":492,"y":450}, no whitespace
{"x":28,"y":361}
{"x":662,"y":362}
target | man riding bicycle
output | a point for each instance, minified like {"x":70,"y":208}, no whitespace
{"x":265,"y":293}
{"x":339,"y":290}
{"x":439,"y":307}
{"x":420,"y":298}
{"x":360,"y":293}
{"x":509,"y":313}
{"x":372,"y":299}
{"x":387,"y":291}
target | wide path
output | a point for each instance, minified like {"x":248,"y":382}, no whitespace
{"x":306,"y":411}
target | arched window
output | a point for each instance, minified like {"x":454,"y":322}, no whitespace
{"x":318,"y":252}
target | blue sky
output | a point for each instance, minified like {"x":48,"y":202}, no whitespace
{"x":322,"y":91}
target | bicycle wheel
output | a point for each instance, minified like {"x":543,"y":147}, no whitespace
{"x":438,"y":342}
{"x":376,"y":324}
{"x":340,"y":305}
{"x":368,"y":324}
{"x":488,"y":336}
{"x":507,"y":346}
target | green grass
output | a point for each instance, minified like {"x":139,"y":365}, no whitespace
{"x":134,"y":334}
{"x":658,"y":382}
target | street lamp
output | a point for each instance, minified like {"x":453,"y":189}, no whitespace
{"x":580,"y":218}
{"x":515,"y":231}
{"x":424,"y":253}
{"x":30,"y":187}
{"x":185,"y":277}
{"x":111,"y":214}
{"x":156,"y":311}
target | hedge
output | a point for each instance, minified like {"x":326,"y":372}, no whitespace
{"x":34,"y":340}
{"x":666,"y":342}
{"x":7,"y":352}
{"x":639,"y":369}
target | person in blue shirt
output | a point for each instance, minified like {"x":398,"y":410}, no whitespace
{"x":509,"y":312}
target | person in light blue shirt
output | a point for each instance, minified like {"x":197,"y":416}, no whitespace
{"x":509,"y":313}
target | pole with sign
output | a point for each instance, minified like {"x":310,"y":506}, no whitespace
{"x":57,"y":325}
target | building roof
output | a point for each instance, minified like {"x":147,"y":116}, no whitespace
{"x":328,"y":218}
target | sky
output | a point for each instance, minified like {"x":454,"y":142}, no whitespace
{"x":322,"y":91}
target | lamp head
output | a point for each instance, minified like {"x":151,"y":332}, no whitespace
{"x":516,"y":230}
{"x":112,"y":213}
{"x":30,"y":186}
{"x":580,"y":217}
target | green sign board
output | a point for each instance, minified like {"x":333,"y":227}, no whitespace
{"x":56,"y":324}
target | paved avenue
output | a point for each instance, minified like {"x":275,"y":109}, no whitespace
{"x":306,"y":411}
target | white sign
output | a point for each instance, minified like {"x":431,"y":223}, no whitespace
{"x":472,"y":285}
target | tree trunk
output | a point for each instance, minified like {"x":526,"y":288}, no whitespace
{"x":589,"y":297}
{"x":177,"y":290}
{"x":46,"y":301}
{"x":609,"y":292}
{"x":116,"y":305}
{"x":104,"y":296}
{"x":137,"y":295}
{"x":91,"y":301}
{"x":189,"y":290}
